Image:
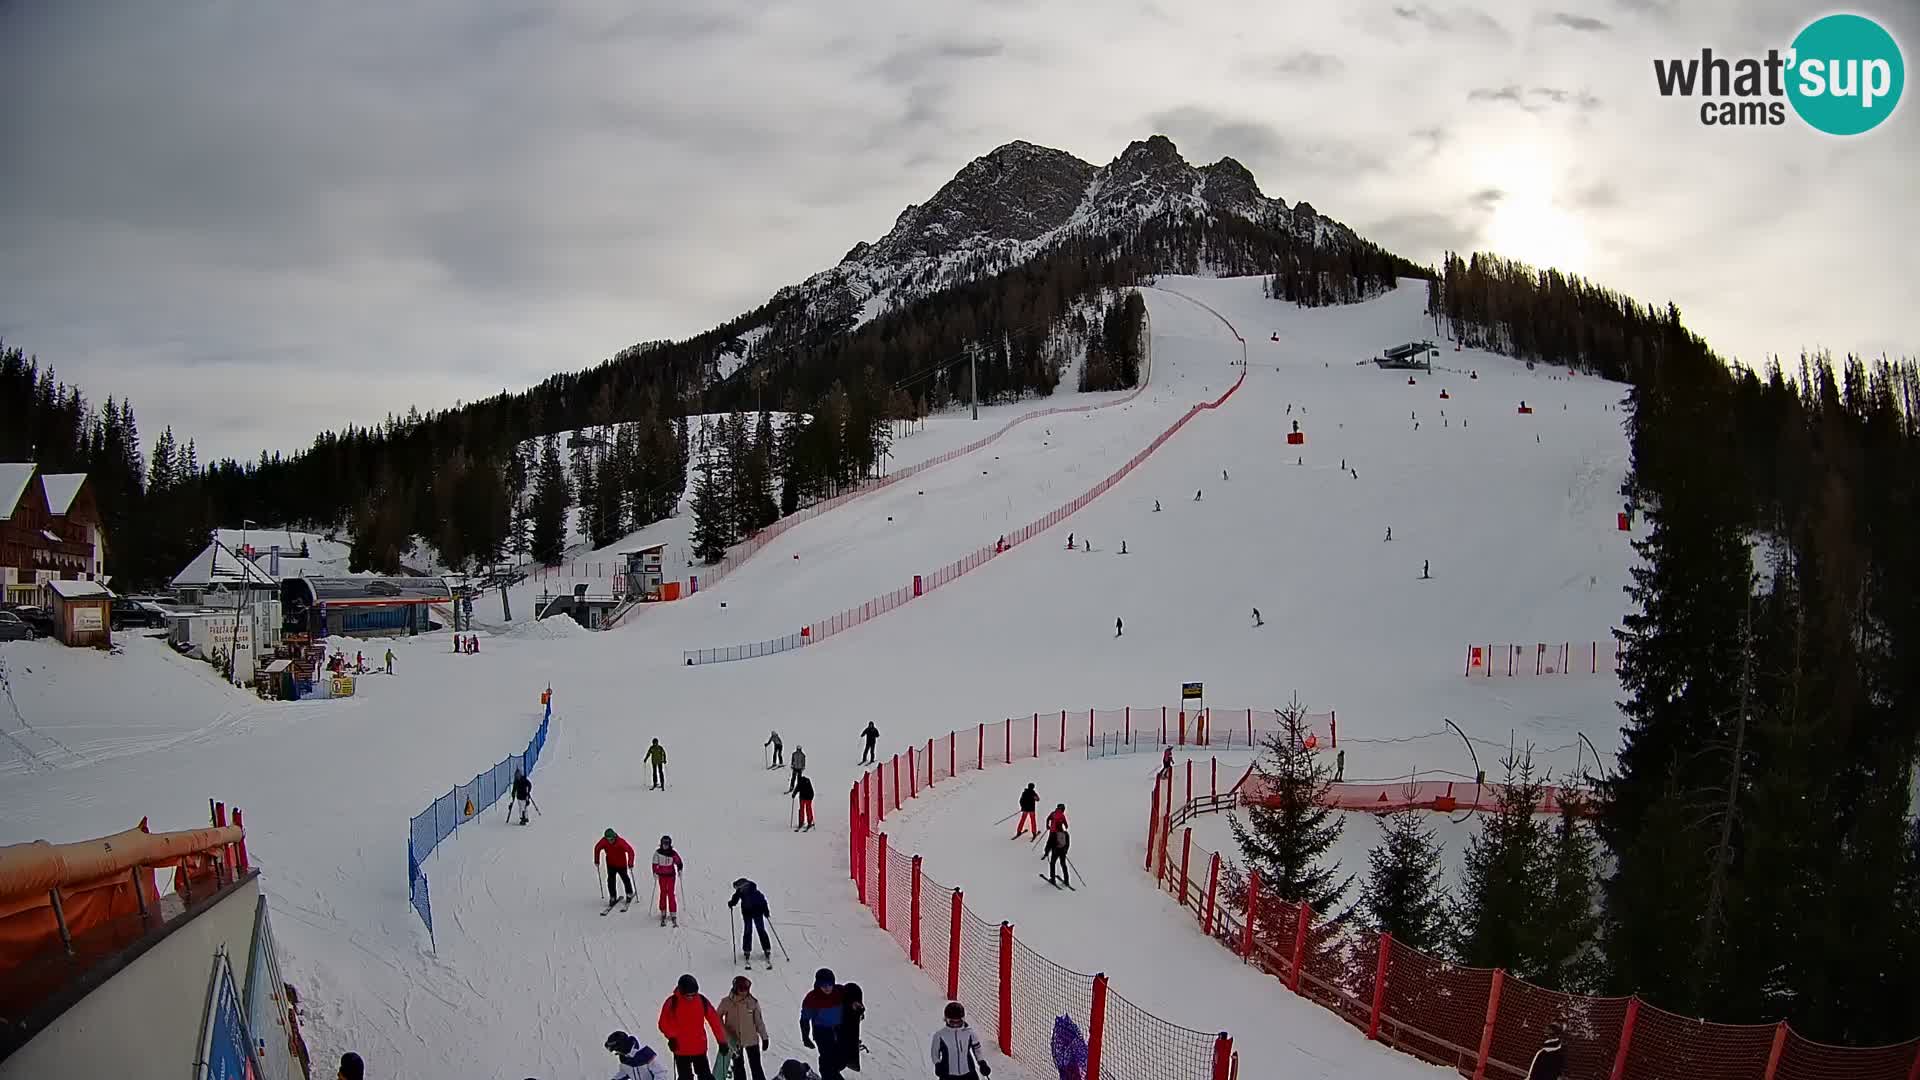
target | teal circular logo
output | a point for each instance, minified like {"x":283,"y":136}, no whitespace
{"x":1846,"y":74}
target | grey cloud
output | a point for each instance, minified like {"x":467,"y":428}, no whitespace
{"x":1599,"y":195}
{"x":1307,"y":64}
{"x":1584,"y":23}
{"x":914,"y":63}
{"x":1422,"y":235}
{"x":1459,"y":20}
{"x":1205,"y":134}
{"x":1535,"y":99}
{"x":1504,"y":93}
{"x":1486,"y":198}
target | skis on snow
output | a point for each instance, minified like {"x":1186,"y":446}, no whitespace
{"x":1057,"y":884}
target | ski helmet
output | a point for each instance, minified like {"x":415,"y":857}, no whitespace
{"x":688,"y":985}
{"x":741,"y":883}
{"x":956,"y":1011}
{"x":823,"y":977}
{"x":619,"y":1041}
{"x":610,"y":835}
{"x":1061,"y":806}
{"x":666,"y":841}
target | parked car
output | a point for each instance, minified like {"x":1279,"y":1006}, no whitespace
{"x":14,"y":628}
{"x":37,"y":618}
{"x":127,"y":612}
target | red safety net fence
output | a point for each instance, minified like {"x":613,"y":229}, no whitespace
{"x":1013,"y":993}
{"x":1480,"y":1021}
{"x":921,"y":584}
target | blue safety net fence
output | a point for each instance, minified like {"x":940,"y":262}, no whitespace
{"x":459,"y":806}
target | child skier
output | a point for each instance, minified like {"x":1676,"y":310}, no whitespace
{"x":637,"y":1062}
{"x":754,"y":910}
{"x":793,"y":1069}
{"x":657,"y":757}
{"x":522,"y":793}
{"x":619,"y":855}
{"x":956,"y":1049}
{"x":746,"y":1028}
{"x":667,"y":865}
{"x":1029,"y":805}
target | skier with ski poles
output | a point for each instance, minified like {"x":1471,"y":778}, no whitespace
{"x":872,"y":735}
{"x":1055,"y":852}
{"x":685,"y":1018}
{"x":667,"y":865}
{"x":521,"y":792}
{"x":657,"y":757}
{"x":803,"y":817}
{"x":779,"y":759}
{"x":822,"y":1012}
{"x":1029,"y":805}
{"x":754,"y":910}
{"x":799,"y":763}
{"x":619,"y":855}
{"x":746,"y":1028}
{"x":1057,"y":819}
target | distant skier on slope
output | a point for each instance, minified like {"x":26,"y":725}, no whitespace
{"x":754,"y":910}
{"x":1156,"y":506}
{"x":521,"y":792}
{"x":803,"y":814}
{"x":1029,"y":808}
{"x":1196,"y":494}
{"x":779,"y":757}
{"x":619,"y":855}
{"x":872,"y":735}
{"x":1056,"y":852}
{"x":1118,"y":628}
{"x":667,"y":865}
{"x":657,"y":757}
{"x":1257,"y":620}
{"x":799,"y":763}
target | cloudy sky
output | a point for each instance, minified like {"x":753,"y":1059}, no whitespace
{"x":260,"y":219}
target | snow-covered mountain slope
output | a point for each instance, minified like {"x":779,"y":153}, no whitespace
{"x":1515,"y":513}
{"x":1004,"y":208}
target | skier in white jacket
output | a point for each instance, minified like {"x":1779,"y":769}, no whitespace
{"x":637,"y":1062}
{"x":956,"y":1049}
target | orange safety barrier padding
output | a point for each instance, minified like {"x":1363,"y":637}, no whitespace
{"x":28,"y":870}
{"x":670,"y":590}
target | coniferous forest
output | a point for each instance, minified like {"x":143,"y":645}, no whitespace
{"x":1754,"y":854}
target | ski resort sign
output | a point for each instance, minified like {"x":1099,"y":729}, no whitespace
{"x":1842,"y":75}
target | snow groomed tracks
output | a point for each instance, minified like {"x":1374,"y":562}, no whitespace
{"x":818,"y":631}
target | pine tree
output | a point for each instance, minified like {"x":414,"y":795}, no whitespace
{"x":1498,"y":918}
{"x":712,"y":531}
{"x":1403,"y":893}
{"x":586,"y":487}
{"x":1286,"y":834}
{"x":1570,"y":919}
{"x":551,"y":498}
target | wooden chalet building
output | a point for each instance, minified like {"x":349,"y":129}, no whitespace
{"x":49,"y":530}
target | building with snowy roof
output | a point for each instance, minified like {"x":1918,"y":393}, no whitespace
{"x":49,"y":529}
{"x":82,"y":613}
{"x":361,"y":606}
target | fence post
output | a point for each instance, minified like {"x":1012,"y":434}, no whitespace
{"x":1063,"y":731}
{"x":1036,"y":735}
{"x":1913,"y":1073}
{"x":913,"y":926}
{"x":1163,"y":725}
{"x":953,"y":948}
{"x":1300,"y":945}
{"x":1166,"y":824}
{"x":896,"y":781}
{"x":1089,"y":729}
{"x":1333,"y":726}
{"x":1097,"y":1026}
{"x":1626,"y":1040}
{"x":1213,"y":783}
{"x":1189,"y":782}
{"x":1486,"y":1033}
{"x":1380,"y":987}
{"x":853,"y":841}
{"x":1213,"y":892}
{"x":1253,"y":911}
{"x":880,"y":796}
{"x":1779,"y":1047}
{"x":1006,"y":988}
{"x":1126,"y":727}
{"x":1153,"y":823}
{"x":1009,"y":734}
{"x":1186,"y":854}
{"x":952,"y":770}
{"x":882,"y":876}
{"x":913,"y":775}
{"x":980,"y":752}
{"x":1222,"y":1056}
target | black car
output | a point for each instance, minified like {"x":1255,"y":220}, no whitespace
{"x":126,"y":612}
{"x":38,"y":619}
{"x":14,"y":628}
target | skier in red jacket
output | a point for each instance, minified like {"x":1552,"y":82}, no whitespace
{"x":619,"y":855}
{"x":685,"y":1018}
{"x":1058,"y":819}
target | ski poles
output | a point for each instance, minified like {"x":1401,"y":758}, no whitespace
{"x":1076,"y":872}
{"x":730,"y":948}
{"x":777,"y":941}
{"x":1008,"y":818}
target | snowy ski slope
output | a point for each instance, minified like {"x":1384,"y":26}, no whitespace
{"x":527,"y":981}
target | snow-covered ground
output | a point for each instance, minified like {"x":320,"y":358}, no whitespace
{"x":526,"y":980}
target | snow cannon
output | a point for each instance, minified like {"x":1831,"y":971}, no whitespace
{"x":1444,"y":395}
{"x":1473,"y":374}
{"x":1296,"y":437}
{"x":1525,"y":409}
{"x":1275,"y":337}
{"x":1410,"y":381}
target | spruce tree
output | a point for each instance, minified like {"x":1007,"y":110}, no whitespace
{"x":712,"y":531}
{"x":1287,"y":832}
{"x":586,"y":488}
{"x":551,"y":499}
{"x":1403,"y":893}
{"x":1570,"y":918}
{"x":1506,"y":879}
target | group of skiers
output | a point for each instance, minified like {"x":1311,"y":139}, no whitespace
{"x":1055,"y":850}
{"x":667,"y":866}
{"x":798,"y":785}
{"x":830,"y":1019}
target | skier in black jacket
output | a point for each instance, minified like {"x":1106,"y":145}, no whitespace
{"x":522,"y":793}
{"x":1029,"y":809}
{"x":1550,"y":1063}
{"x":1056,"y":853}
{"x":753,"y":915}
{"x":872,"y":735}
